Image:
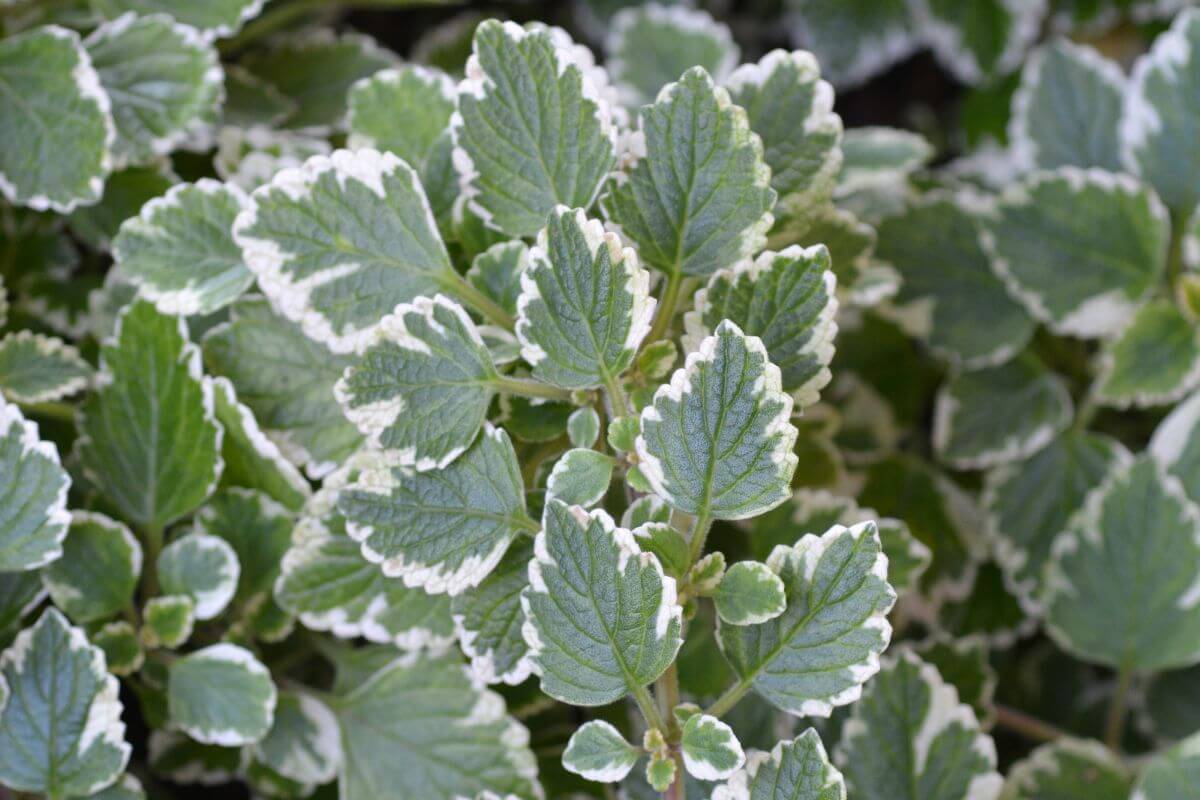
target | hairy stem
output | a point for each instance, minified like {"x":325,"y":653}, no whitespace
{"x":649,"y":711}
{"x":700,"y":530}
{"x":730,"y":698}
{"x":616,"y":396}
{"x":492,"y":311}
{"x":1114,"y":726}
{"x":530,"y":388}
{"x":666,"y":307}
{"x":1028,"y":726}
{"x":678,"y":789}
{"x":152,"y":541}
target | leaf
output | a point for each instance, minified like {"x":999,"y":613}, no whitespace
{"x":979,"y":39}
{"x":854,"y":39}
{"x":1171,"y":705}
{"x":710,"y":749}
{"x":20,"y":594}
{"x":164,"y":81}
{"x":1067,"y":109}
{"x":303,"y":744}
{"x":423,"y":730}
{"x":316,"y":71}
{"x":717,"y":440}
{"x":1172,"y":774}
{"x":251,"y":101}
{"x":216,"y":19}
{"x":202,"y":567}
{"x":934,"y":749}
{"x":168,"y":621}
{"x":39,"y":369}
{"x":593,"y":648}
{"x":148,"y":438}
{"x":580,"y":477}
{"x":60,"y":732}
{"x":875,"y":157}
{"x":443,"y":531}
{"x":796,"y":769}
{"x":57,"y":129}
{"x":988,"y":610}
{"x":585,"y":303}
{"x":488,"y":619}
{"x":179,"y":251}
{"x":648,"y":46}
{"x":250,"y":158}
{"x":532,"y":130}
{"x":583,"y":427}
{"x":287,"y":380}
{"x":997,"y":415}
{"x":1032,"y":235}
{"x":964,"y":663}
{"x":1119,"y":586}
{"x":1029,"y":502}
{"x":125,"y":192}
{"x":33,"y":495}
{"x":122,"y":648}
{"x":819,"y":652}
{"x":99,"y":569}
{"x":126,"y":788}
{"x":177,"y":758}
{"x":355,"y":224}
{"x":750,"y":594}
{"x":1158,"y":119}
{"x":599,"y":752}
{"x":787,"y":300}
{"x":221,"y":695}
{"x":1154,"y":361}
{"x":791,"y":109}
{"x":695,"y":193}
{"x":257,"y":528}
{"x":421,"y":389}
{"x":1069,"y":769}
{"x":949,"y":297}
{"x":497,"y":272}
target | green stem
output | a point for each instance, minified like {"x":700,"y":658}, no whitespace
{"x":725,"y":703}
{"x":616,"y":396}
{"x":530,"y":388}
{"x":1114,"y":727}
{"x":649,"y":711}
{"x":666,"y":689}
{"x":699,"y":534}
{"x":1030,"y":727}
{"x":152,"y":542}
{"x":678,"y":789}
{"x":1086,"y":412}
{"x":64,"y":412}
{"x":492,"y":311}
{"x":666,"y":307}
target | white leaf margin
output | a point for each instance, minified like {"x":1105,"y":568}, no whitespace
{"x":58,"y":518}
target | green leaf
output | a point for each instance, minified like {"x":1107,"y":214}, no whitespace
{"x":717,"y":440}
{"x":997,"y":415}
{"x":599,"y":752}
{"x":660,"y":773}
{"x":250,"y":158}
{"x":796,"y":769}
{"x":666,"y":543}
{"x":168,"y":621}
{"x":122,"y":648}
{"x":648,"y":46}
{"x":910,"y":738}
{"x":215,"y":19}
{"x":164,"y":81}
{"x":580,"y":477}
{"x":99,"y":569}
{"x":57,"y":129}
{"x":583,"y":427}
{"x":202,"y":567}
{"x":695,"y":195}
{"x":710,"y":749}
{"x":1069,"y":769}
{"x":33,"y":495}
{"x":179,"y":250}
{"x":179,"y":759}
{"x":1033,"y":231}
{"x":1120,"y":584}
{"x":126,"y":788}
{"x":423,"y":385}
{"x":125,"y":192}
{"x":353,"y":224}
{"x":287,"y":380}
{"x":1028,"y":504}
{"x":819,"y":652}
{"x":978,"y":40}
{"x":1171,"y":707}
{"x":876,"y":157}
{"x":988,"y":610}
{"x":303,"y":744}
{"x":1171,"y":775}
{"x":497,"y":273}
{"x":1154,"y":361}
{"x":148,"y":438}
{"x":221,"y":695}
{"x":443,"y":531}
{"x":1067,"y":110}
{"x":585,"y":303}
{"x":950,"y":297}
{"x":39,"y":369}
{"x":854,"y":39}
{"x":488,"y":619}
{"x":423,"y":730}
{"x":251,"y":102}
{"x":532,"y":130}
{"x":964,"y":663}
{"x":1158,"y":120}
{"x":1176,"y":445}
{"x":257,"y":528}
{"x":594,"y":648}
{"x":750,"y":593}
{"x":20,"y":594}
{"x":60,"y":732}
{"x":787,"y":300}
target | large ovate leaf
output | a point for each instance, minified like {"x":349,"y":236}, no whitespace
{"x":979,"y":39}
{"x":533,"y":129}
{"x":38,"y":369}
{"x":221,"y":695}
{"x":695,"y":195}
{"x":1176,"y":445}
{"x":98,"y":571}
{"x":33,"y":495}
{"x":148,"y":437}
{"x":488,"y":620}
{"x":61,"y":732}
{"x":216,"y":19}
{"x":1172,"y":775}
{"x":55,"y":122}
{"x":1069,"y":769}
{"x":796,"y":769}
{"x":1155,"y":360}
{"x":717,"y":440}
{"x":594,"y":647}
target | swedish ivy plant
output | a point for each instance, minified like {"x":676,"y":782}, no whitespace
{"x":432,"y":406}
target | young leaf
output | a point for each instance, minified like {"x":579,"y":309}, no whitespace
{"x":1172,"y":774}
{"x":1069,"y":769}
{"x":585,"y":303}
{"x":98,"y":571}
{"x":1033,"y":231}
{"x":979,"y":39}
{"x":121,"y":646}
{"x":532,"y":130}
{"x":854,"y":39}
{"x":787,"y":300}
{"x":696,"y":196}
{"x":488,"y":619}
{"x":599,"y":752}
{"x":179,"y":250}
{"x":580,"y":477}
{"x":819,"y":652}
{"x":710,"y":749}
{"x":221,"y":695}
{"x":443,"y":531}
{"x":876,"y":157}
{"x":1154,"y":361}
{"x":33,"y":495}
{"x":60,"y":731}
{"x":934,"y":749}
{"x":39,"y":369}
{"x":202,"y":567}
{"x":583,"y":427}
{"x":257,"y":528}
{"x":168,"y":621}
{"x":750,"y":593}
{"x":164,"y":81}
{"x":497,"y":273}
{"x":591,"y":648}
{"x":303,"y":743}
{"x":797,"y":769}
{"x":215,"y":19}
{"x":57,"y":130}
{"x":717,"y":441}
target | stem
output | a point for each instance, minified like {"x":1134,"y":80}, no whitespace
{"x":152,"y":539}
{"x":1086,"y":412}
{"x":616,"y":396}
{"x":64,"y":412}
{"x":649,"y":711}
{"x":492,"y":311}
{"x":699,"y":535}
{"x":666,"y":689}
{"x":725,"y":703}
{"x":1114,"y":727}
{"x":678,"y":789}
{"x":1028,"y":726}
{"x":666,"y":307}
{"x":530,"y":388}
